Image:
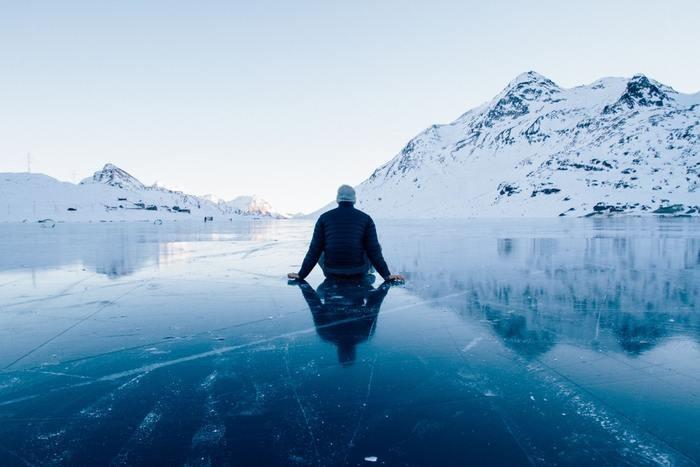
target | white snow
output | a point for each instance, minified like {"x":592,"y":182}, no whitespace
{"x":538,"y":150}
{"x":111,"y":194}
{"x":250,"y":205}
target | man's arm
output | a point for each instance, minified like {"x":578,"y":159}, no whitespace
{"x":374,"y":250}
{"x":315,"y":250}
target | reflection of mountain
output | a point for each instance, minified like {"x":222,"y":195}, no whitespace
{"x":513,"y":329}
{"x":345,"y":312}
{"x":120,"y":255}
{"x":595,"y":284}
{"x":637,"y":333}
{"x":112,"y":249}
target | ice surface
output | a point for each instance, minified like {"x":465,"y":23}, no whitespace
{"x":560,"y":342}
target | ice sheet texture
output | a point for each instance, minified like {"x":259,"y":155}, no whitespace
{"x":572,"y":341}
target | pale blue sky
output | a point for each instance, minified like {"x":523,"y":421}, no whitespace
{"x":289,"y":99}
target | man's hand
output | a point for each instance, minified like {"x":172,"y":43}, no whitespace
{"x":395,"y":278}
{"x":293,"y":276}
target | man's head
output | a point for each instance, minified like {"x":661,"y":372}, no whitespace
{"x":346,"y":193}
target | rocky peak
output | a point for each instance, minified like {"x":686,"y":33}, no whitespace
{"x":639,"y":92}
{"x":114,"y":176}
{"x":531,"y":79}
{"x":512,"y":102}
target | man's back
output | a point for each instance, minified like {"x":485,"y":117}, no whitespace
{"x":348,"y":239}
{"x":344,"y":231}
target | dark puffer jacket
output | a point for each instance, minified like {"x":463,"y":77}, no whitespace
{"x":347,"y":237}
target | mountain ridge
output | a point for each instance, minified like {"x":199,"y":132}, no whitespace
{"x":112,"y":194}
{"x":615,"y":146}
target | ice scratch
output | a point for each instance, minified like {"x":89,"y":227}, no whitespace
{"x":360,"y":417}
{"x":59,"y":294}
{"x":16,"y":456}
{"x":141,"y":433}
{"x":58,"y":373}
{"x":77,"y":323}
{"x":301,"y":406}
{"x":210,"y":437}
{"x":227,"y":349}
{"x":472,"y":344}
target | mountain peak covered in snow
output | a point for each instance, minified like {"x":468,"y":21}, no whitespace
{"x":515,"y":100}
{"x":531,"y":79}
{"x":114,"y":194}
{"x":251,"y":205}
{"x":639,"y":92}
{"x":618,"y":145}
{"x":112,"y":175}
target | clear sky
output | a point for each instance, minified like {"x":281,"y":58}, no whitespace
{"x":289,"y":99}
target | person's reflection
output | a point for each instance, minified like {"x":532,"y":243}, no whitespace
{"x":345,"y":312}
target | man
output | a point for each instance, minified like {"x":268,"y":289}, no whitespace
{"x":345,"y":243}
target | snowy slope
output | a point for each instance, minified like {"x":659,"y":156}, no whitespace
{"x":111,"y":194}
{"x":537,"y":150}
{"x":114,"y":176}
{"x":251,"y":205}
{"x":247,"y":206}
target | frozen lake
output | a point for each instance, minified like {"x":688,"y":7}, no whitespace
{"x":513,"y":342}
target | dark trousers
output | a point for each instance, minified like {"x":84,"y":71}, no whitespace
{"x":353,"y":274}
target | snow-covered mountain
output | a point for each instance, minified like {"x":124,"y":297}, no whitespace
{"x":251,"y":205}
{"x":247,"y":206}
{"x":615,"y":146}
{"x":114,"y":176}
{"x":110,"y":194}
